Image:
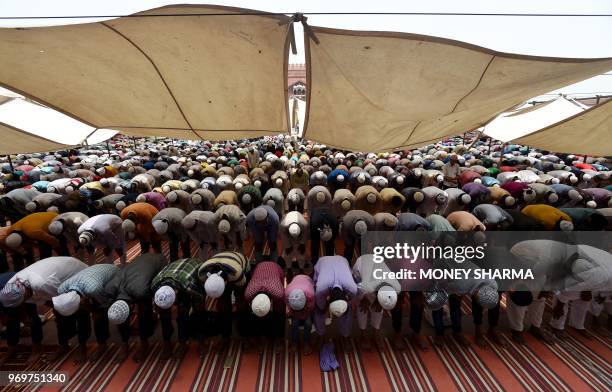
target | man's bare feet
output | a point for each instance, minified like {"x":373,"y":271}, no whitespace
{"x":462,"y":339}
{"x":379,"y":342}
{"x":81,"y":355}
{"x":584,"y":333}
{"x":123,"y":353}
{"x":166,"y":351}
{"x":365,"y":343}
{"x":419,"y":341}
{"x":517,"y":337}
{"x":98,"y":352}
{"x":398,"y":342}
{"x":142,"y":352}
{"x":439,"y":341}
{"x":307,"y":349}
{"x":60,"y":352}
{"x":10,"y":351}
{"x":496,"y":337}
{"x":558,"y":333}
{"x":181,"y":350}
{"x":542,"y":334}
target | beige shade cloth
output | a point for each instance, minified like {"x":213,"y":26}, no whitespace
{"x":588,"y":132}
{"x":220,"y":76}
{"x":14,"y":140}
{"x":379,"y":91}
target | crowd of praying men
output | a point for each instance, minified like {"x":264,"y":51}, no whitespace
{"x":316,"y":203}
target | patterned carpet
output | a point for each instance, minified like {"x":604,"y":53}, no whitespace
{"x":575,"y":364}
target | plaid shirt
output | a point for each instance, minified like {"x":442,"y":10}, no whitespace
{"x":181,"y":275}
{"x":90,"y":282}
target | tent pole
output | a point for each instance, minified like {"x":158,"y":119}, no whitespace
{"x":108,"y":147}
{"x":10,"y":162}
{"x":134,"y":140}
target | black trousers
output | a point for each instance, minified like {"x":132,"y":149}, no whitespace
{"x":144,"y":310}
{"x":492,"y":314}
{"x":416,"y":312}
{"x":175,"y":242}
{"x":29,"y":314}
{"x":454,"y":304}
{"x":271,"y":326}
{"x":77,"y":324}
{"x":45,"y":249}
{"x":315,"y":246}
{"x":182,"y":323}
{"x":145,"y":246}
{"x":206,"y":324}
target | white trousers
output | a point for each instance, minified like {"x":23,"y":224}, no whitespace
{"x":574,"y":312}
{"x":375,"y":318}
{"x":520,"y":317}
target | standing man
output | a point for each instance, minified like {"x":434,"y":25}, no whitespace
{"x":451,"y":171}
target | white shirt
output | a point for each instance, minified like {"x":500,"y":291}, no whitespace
{"x":45,"y":276}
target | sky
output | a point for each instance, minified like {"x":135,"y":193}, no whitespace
{"x":542,"y":36}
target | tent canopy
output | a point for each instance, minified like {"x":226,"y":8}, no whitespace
{"x":512,"y":125}
{"x":380,"y":91}
{"x":34,"y":128}
{"x":588,"y":132}
{"x":187,"y":77}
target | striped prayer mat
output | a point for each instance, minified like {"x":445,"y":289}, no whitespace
{"x":574,"y":364}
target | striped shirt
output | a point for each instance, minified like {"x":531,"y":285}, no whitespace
{"x":90,"y":282}
{"x":234,"y":265}
{"x":181,"y":275}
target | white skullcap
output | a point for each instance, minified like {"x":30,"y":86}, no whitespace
{"x":587,"y":177}
{"x":340,"y":178}
{"x":224,"y":226}
{"x":371,"y":198}
{"x":141,"y":198}
{"x":118,"y":189}
{"x":271,"y":202}
{"x":260,"y":213}
{"x":361,"y":227}
{"x":338,"y":307}
{"x":294,"y":230}
{"x":279,"y":182}
{"x":166,"y":189}
{"x":165,"y":297}
{"x":160,"y":226}
{"x":573,"y":179}
{"x":555,"y":181}
{"x":296,"y":299}
{"x":190,"y":172}
{"x":400,"y":180}
{"x":478,"y":181}
{"x":86,"y":238}
{"x":196,"y":199}
{"x":172,"y":197}
{"x":12,"y":294}
{"x":257,"y":183}
{"x":56,"y":227}
{"x":53,"y":209}
{"x":214,"y":286}
{"x":591,"y":204}
{"x":246,"y":198}
{"x":67,"y":304}
{"x":120,"y":205}
{"x":574,"y":195}
{"x":238,"y":185}
{"x":509,"y":201}
{"x":118,"y":312}
{"x":466,"y":199}
{"x":439,"y":178}
{"x":128,"y":226}
{"x":566,"y":225}
{"x":345,"y":204}
{"x":320,"y":197}
{"x":69,"y":189}
{"x":553,"y":198}
{"x":418,"y":196}
{"x":14,"y":240}
{"x":30,"y":206}
{"x":387,"y":297}
{"x":51,"y":189}
{"x":261,"y":305}
{"x":361,"y":178}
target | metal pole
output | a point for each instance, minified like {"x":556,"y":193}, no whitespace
{"x":134,"y":140}
{"x":108,"y":147}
